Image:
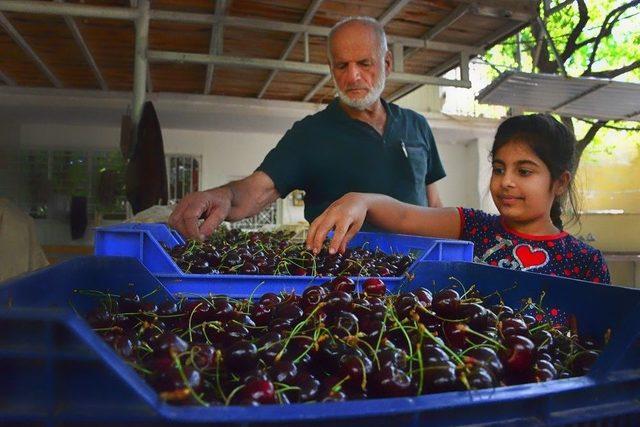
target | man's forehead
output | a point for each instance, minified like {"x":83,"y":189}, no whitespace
{"x":354,"y":39}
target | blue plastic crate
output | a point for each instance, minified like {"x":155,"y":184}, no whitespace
{"x":56,"y":371}
{"x":142,"y":241}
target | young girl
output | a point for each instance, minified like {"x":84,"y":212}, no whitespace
{"x":532,"y":157}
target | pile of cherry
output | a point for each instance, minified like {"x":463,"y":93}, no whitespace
{"x":273,"y":253}
{"x":333,"y":344}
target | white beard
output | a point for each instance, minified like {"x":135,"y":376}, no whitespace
{"x":370,"y":98}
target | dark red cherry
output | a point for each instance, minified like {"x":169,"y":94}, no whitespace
{"x":270,"y":299}
{"x":455,"y":334}
{"x":513,"y":326}
{"x":283,"y":371}
{"x":424,"y":296}
{"x":374,"y":287}
{"x":312,"y":296}
{"x":446,"y":303}
{"x":487,"y":358}
{"x":440,"y":377}
{"x":479,"y":378}
{"x":433,"y":354}
{"x":390,"y":381}
{"x":519,"y":354}
{"x":344,"y":284}
{"x":241,"y":356}
{"x":259,"y":390}
{"x":168,"y":345}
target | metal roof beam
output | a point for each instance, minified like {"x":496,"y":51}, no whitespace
{"x":7,"y":80}
{"x":215,"y":44}
{"x":308,"y":16}
{"x":314,"y":30}
{"x":323,"y":81}
{"x":580,"y":95}
{"x":449,"y":20}
{"x":392,"y":11}
{"x":455,"y":59}
{"x":635,"y":115}
{"x":20,"y":41}
{"x":518,"y":10}
{"x":294,"y":66}
{"x":86,"y":52}
{"x":68,"y":9}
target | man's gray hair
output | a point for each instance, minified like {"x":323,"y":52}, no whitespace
{"x":377,"y":28}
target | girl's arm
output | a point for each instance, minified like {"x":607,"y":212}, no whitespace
{"x":346,"y":215}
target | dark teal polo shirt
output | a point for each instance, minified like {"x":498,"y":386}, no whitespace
{"x":329,"y":154}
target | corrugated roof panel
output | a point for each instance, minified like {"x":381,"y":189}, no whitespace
{"x":573,"y":96}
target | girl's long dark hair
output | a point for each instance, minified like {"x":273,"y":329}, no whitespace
{"x":554,"y":144}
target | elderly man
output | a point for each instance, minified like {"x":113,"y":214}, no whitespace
{"x":358,"y":143}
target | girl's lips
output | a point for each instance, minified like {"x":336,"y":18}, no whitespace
{"x":508,"y":200}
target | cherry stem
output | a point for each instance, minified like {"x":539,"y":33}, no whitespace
{"x":195,"y":395}
{"x":296,"y":329}
{"x":485,"y":337}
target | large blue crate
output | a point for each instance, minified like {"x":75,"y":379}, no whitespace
{"x":143,"y":241}
{"x":56,"y":371}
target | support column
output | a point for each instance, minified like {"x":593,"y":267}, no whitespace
{"x":140,"y":62}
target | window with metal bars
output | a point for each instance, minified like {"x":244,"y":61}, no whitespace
{"x":268,"y":216}
{"x":54,"y":176}
{"x":183,"y":175}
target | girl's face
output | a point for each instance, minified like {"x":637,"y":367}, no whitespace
{"x":521,"y":186}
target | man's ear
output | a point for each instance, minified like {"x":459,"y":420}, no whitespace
{"x":388,"y":63}
{"x":562,"y":183}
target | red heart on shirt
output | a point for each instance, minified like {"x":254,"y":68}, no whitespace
{"x":530,"y":258}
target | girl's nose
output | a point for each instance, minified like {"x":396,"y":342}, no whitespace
{"x":507,"y":180}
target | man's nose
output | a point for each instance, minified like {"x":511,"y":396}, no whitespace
{"x":353,"y":72}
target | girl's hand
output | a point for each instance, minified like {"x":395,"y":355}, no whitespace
{"x":345,"y":216}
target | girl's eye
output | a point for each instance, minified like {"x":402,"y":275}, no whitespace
{"x":498,"y":170}
{"x":525,"y":172}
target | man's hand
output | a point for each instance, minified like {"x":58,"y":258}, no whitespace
{"x":345,"y":216}
{"x":212,"y":205}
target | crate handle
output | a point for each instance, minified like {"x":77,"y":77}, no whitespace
{"x":177,"y":235}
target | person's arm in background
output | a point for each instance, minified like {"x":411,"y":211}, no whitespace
{"x":232,"y":201}
{"x":433,"y":196}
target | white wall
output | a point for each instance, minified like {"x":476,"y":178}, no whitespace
{"x":231,"y":135}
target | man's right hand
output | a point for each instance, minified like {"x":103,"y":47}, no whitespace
{"x":212,"y":205}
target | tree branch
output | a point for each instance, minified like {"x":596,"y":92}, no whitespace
{"x":607,"y":126}
{"x":586,"y":140}
{"x":613,"y":73}
{"x":606,"y":29}
{"x":568,"y":122}
{"x":571,"y":46}
{"x":545,"y":64}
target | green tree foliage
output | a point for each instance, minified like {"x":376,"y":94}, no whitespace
{"x":594,"y":38}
